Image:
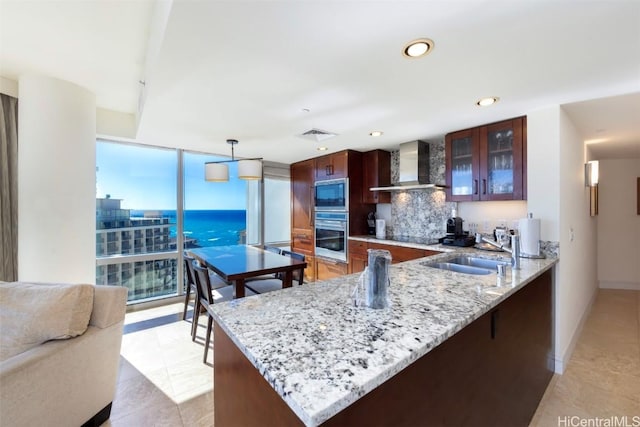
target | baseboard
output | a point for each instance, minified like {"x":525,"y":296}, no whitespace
{"x":100,"y":418}
{"x":561,"y":361}
{"x":630,"y":286}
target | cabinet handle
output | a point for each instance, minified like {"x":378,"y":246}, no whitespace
{"x":484,"y":186}
{"x":327,"y":170}
{"x":475,"y":186}
{"x":495,"y":315}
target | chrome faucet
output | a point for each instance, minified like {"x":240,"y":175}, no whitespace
{"x":514,"y":251}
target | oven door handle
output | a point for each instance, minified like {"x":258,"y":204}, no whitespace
{"x":330,"y":225}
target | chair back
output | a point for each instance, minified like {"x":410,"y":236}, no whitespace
{"x":189,"y":274}
{"x":298,"y":275}
{"x":204,"y":285}
{"x":274,"y":249}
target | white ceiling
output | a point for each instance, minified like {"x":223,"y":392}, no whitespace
{"x":246,"y":69}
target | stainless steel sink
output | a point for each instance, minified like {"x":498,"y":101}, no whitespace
{"x":491,"y":264}
{"x":458,"y":268}
{"x":468,"y":265}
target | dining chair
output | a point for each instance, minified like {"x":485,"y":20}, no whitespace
{"x":275,"y":250}
{"x":298,"y":275}
{"x":205,"y":300}
{"x":274,"y":284}
{"x":190,"y":286}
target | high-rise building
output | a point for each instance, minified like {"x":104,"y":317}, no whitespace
{"x":138,"y":238}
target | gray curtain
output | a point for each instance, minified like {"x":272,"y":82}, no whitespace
{"x":8,"y":188}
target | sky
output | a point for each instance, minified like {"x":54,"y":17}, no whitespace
{"x":145,"y":179}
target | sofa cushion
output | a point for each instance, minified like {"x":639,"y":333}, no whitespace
{"x":32,"y":313}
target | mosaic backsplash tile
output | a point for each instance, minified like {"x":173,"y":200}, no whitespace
{"x":420,"y":213}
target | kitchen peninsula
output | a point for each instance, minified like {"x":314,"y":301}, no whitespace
{"x":452,"y":349}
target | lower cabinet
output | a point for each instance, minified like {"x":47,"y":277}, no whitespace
{"x":493,"y":372}
{"x":358,"y":253}
{"x":328,"y":269}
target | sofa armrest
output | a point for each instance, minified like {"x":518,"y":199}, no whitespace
{"x":109,"y":306}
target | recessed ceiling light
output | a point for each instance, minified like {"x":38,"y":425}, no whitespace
{"x":418,"y":48}
{"x":485,"y":102}
{"x":376,"y":133}
{"x":322,"y":148}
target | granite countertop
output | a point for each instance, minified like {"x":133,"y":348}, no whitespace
{"x":320,"y":353}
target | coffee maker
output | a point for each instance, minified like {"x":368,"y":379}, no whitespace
{"x":454,"y":226}
{"x":455,"y":235}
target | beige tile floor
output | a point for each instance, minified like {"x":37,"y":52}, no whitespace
{"x":602,"y":379}
{"x":163,"y":381}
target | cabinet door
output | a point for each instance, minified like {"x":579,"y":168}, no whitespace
{"x":302,"y":194}
{"x":328,"y":269}
{"x":376,"y":169}
{"x":501,"y":156}
{"x":332,"y":166}
{"x":462,"y":155}
{"x":357,"y":263}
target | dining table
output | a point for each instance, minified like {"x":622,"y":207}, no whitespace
{"x":237,"y":263}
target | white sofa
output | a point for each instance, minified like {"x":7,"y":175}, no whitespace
{"x":66,"y":382}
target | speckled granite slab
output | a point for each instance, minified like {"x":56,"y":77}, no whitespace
{"x":320,"y":353}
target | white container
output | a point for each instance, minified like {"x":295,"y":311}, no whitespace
{"x":381,"y":229}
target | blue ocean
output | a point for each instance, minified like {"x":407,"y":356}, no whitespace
{"x":208,"y":227}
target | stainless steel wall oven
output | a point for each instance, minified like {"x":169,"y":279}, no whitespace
{"x":332,"y":230}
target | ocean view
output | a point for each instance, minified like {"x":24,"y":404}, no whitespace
{"x":208,"y":227}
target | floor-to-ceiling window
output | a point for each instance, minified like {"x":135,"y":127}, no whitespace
{"x":151,"y":201}
{"x":135,"y":219}
{"x":215,"y":213}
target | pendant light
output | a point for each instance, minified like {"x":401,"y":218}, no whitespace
{"x":249,"y":169}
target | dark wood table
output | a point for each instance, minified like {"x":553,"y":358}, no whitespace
{"x":239,"y":262}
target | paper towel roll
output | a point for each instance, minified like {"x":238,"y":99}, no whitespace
{"x":529,"y":229}
{"x":381,"y":229}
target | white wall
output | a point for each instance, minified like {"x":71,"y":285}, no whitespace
{"x":111,"y":124}
{"x":56,"y":181}
{"x":543,"y":170}
{"x":8,"y":87}
{"x":557,"y":195}
{"x":489,"y":215}
{"x":618,"y":225}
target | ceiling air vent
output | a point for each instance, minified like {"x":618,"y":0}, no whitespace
{"x":317,"y":135}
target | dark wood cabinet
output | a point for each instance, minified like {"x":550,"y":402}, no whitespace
{"x":328,"y":269}
{"x":302,"y":240}
{"x":358,"y":257}
{"x":493,"y":372}
{"x":376,"y":170}
{"x":332,"y":166}
{"x":487,"y":162}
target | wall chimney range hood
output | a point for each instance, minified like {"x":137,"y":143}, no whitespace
{"x":413,"y":170}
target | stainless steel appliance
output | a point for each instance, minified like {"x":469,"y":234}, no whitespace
{"x":332,"y":194}
{"x":332,"y":229}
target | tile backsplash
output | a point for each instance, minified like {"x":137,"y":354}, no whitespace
{"x":420,"y":213}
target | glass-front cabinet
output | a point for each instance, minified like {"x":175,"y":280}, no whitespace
{"x":463,"y":158}
{"x":487,"y":162}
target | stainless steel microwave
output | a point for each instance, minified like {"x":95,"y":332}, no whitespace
{"x":332,"y":195}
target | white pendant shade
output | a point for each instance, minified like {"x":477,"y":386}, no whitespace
{"x":216,"y":172}
{"x":249,"y":169}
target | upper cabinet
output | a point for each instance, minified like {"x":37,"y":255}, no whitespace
{"x":332,"y":166}
{"x":487,"y":162}
{"x":376,"y":170}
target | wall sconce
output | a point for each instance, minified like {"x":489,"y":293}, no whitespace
{"x":591,"y":178}
{"x":250,"y":169}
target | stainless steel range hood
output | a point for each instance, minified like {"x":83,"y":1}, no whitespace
{"x":414,"y":168}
